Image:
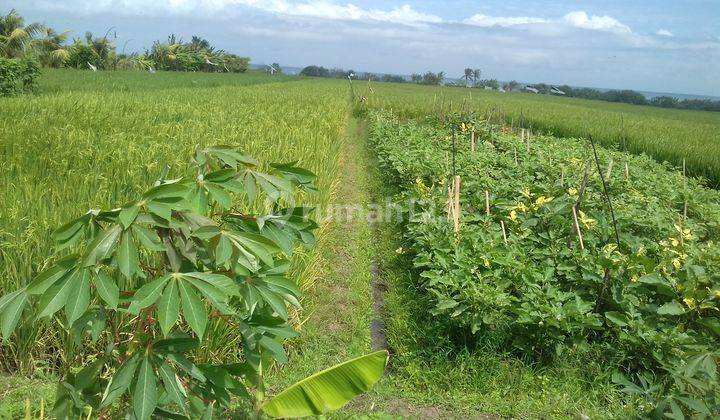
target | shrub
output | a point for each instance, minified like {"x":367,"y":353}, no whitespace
{"x":142,"y":286}
{"x":18,"y":76}
{"x":648,"y":296}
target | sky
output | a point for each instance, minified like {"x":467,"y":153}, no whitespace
{"x":661,"y":45}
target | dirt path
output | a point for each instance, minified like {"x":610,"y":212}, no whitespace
{"x":343,"y":314}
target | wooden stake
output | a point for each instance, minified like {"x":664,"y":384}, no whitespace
{"x":487,"y":202}
{"x":609,"y":170}
{"x":627,"y":171}
{"x":515,"y":152}
{"x":502,"y":225}
{"x":577,"y":228}
{"x":456,"y":220}
{"x":472,"y":140}
{"x":684,"y":173}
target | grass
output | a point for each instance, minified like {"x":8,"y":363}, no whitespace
{"x":428,"y":376}
{"x":58,"y":81}
{"x":665,"y":134}
{"x":97,"y":139}
{"x":75,"y":149}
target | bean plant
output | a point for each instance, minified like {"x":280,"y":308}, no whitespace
{"x":137,"y":288}
{"x":641,"y":288}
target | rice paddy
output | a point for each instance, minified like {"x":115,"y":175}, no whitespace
{"x":88,"y":140}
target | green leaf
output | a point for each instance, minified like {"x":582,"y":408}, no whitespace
{"x":51,"y":276}
{"x":10,"y":311}
{"x":56,"y":296}
{"x":617,"y":318}
{"x":187,"y":366}
{"x":221,"y":196}
{"x":69,"y":233}
{"x":120,"y":381}
{"x":193,"y":309}
{"x":78,"y":297}
{"x":258,"y":245}
{"x":107,"y":289}
{"x":148,"y":238}
{"x":223,"y":250}
{"x":206,"y":232}
{"x":168,"y":307}
{"x":217,"y":298}
{"x":145,"y":395}
{"x":671,"y":308}
{"x":330,"y":389}
{"x":274,"y":348}
{"x":172,"y":385}
{"x":127,"y":256}
{"x":89,"y":375}
{"x":275,"y":301}
{"x":222,"y":282}
{"x":102,"y":247}
{"x":148,"y":294}
{"x":128,"y":214}
{"x":161,"y":210}
{"x":169,"y":193}
{"x":176,"y":344}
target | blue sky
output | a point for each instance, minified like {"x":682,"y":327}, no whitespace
{"x":666,"y":46}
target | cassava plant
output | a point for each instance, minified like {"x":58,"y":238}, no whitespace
{"x":138,"y":286}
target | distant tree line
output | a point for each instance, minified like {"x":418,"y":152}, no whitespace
{"x":338,"y":73}
{"x":428,"y":78}
{"x":629,"y":96}
{"x":50,"y":48}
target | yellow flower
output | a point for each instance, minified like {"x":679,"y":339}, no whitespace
{"x":513,"y":215}
{"x":542,"y":200}
{"x":690,"y":302}
{"x":586,"y":221}
{"x":674,"y":242}
{"x":526,"y":192}
{"x":676,"y":263}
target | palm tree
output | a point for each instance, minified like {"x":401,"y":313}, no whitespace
{"x":50,"y":49}
{"x":467,"y":75}
{"x":476,"y":76}
{"x":15,"y":36}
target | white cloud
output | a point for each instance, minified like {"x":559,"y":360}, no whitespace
{"x":580,"y":19}
{"x":664,"y":32}
{"x":489,"y":21}
{"x":318,"y":9}
{"x":575,"y":19}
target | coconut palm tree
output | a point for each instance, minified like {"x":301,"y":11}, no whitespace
{"x":468,"y":75}
{"x":15,"y":36}
{"x":50,"y":49}
{"x":476,"y":76}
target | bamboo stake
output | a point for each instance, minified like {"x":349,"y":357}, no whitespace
{"x":609,"y":169}
{"x":456,"y":209}
{"x":502,"y":225}
{"x":684,"y":173}
{"x":450,"y":203}
{"x":515,"y":152}
{"x":487,"y":202}
{"x":472,"y":140}
{"x":577,"y":228}
{"x":627,"y":171}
